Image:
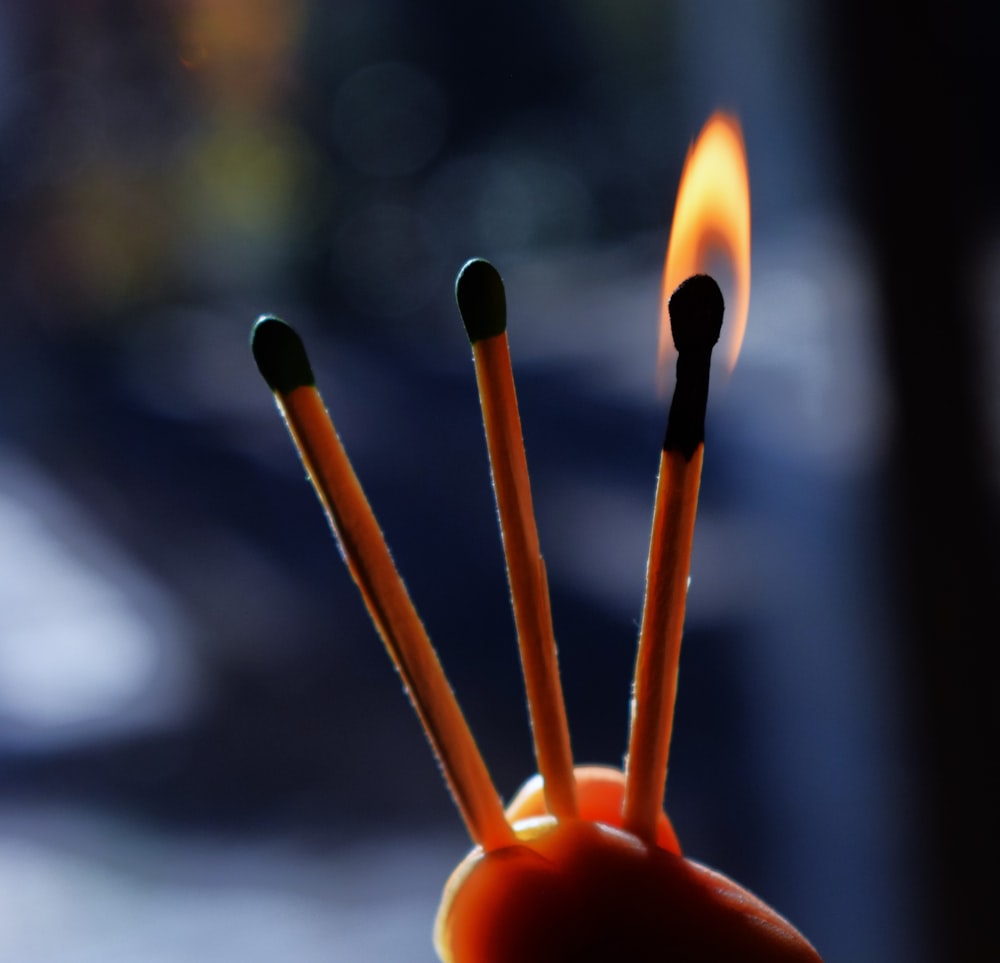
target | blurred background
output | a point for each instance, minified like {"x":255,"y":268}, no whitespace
{"x":204,"y":752}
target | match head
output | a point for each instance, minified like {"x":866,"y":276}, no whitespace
{"x":481,"y":299}
{"x":280,"y":355}
{"x":696,"y":308}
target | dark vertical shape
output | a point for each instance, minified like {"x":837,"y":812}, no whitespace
{"x":696,"y":309}
{"x":916,"y":121}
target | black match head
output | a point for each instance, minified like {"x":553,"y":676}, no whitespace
{"x":696,"y":309}
{"x":280,"y":355}
{"x":481,"y":300}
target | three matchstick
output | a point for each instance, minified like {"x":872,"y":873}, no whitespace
{"x":696,"y":310}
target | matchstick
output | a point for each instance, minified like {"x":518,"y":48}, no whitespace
{"x":282,"y":360}
{"x":482,"y":303}
{"x":696,"y":309}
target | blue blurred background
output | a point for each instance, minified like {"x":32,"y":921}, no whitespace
{"x":204,"y":753}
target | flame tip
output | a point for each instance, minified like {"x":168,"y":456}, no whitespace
{"x":711,"y":216}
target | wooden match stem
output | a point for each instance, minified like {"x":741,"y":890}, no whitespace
{"x":656,"y":673}
{"x":526,"y":572}
{"x":696,"y":308}
{"x":370,"y":563}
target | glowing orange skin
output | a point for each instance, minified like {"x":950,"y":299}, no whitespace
{"x":600,"y":791}
{"x":581,"y":892}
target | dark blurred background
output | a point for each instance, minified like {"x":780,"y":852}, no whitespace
{"x":204,"y":753}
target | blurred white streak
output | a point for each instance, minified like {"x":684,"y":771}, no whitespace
{"x":806,"y":374}
{"x":79,"y":889}
{"x":89,"y":646}
{"x":808,"y":377}
{"x":598,"y":538}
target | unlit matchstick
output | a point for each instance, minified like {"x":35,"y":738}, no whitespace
{"x":282,"y":360}
{"x":482,"y":303}
{"x":696,"y":309}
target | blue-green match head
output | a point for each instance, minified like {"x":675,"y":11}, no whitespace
{"x":280,"y":355}
{"x":481,"y":299}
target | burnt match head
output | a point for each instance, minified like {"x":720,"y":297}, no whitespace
{"x":696,"y":309}
{"x":280,"y":355}
{"x":481,"y":299}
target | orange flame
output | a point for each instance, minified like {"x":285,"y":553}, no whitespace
{"x":712,"y":216}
